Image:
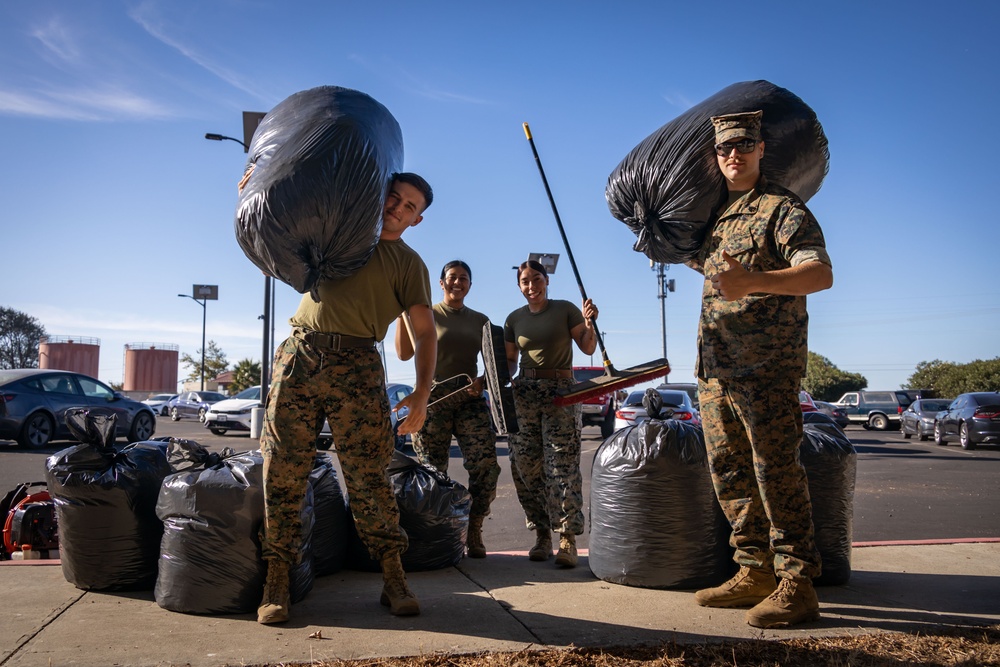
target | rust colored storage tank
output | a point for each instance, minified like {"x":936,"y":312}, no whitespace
{"x":151,"y":367}
{"x":79,"y":354}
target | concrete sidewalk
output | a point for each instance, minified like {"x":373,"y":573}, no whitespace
{"x":502,"y":603}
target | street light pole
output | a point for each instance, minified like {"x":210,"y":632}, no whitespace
{"x":250,"y":121}
{"x":664,"y":286}
{"x":204,"y":313}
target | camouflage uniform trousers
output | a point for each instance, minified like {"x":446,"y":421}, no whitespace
{"x":753,"y":431}
{"x":468,"y":419}
{"x":545,"y":457}
{"x":348,"y":387}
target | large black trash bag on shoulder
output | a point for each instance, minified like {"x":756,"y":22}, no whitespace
{"x":332,"y":529}
{"x":312,"y":206}
{"x":212,"y":510}
{"x":654,"y":518}
{"x":105,"y":502}
{"x":831,"y":464}
{"x":434,"y":513}
{"x":667,"y":187}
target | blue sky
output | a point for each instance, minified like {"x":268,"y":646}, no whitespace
{"x":114,"y":203}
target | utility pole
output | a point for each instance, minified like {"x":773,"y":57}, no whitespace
{"x":663,"y":286}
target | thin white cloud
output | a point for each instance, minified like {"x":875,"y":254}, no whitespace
{"x":58,"y":41}
{"x":144,"y":15}
{"x":678,"y":100}
{"x":80,"y":104}
{"x":420,"y":87}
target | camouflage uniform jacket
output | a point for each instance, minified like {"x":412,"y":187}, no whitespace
{"x":760,"y":335}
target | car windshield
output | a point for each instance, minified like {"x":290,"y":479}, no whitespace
{"x":934,"y":406}
{"x":583,"y":374}
{"x":251,"y":393}
{"x":986,"y":399}
{"x":669,"y":398}
{"x":211,"y":396}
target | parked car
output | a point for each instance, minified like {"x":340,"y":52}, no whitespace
{"x":918,"y":418}
{"x":837,"y":414}
{"x":158,"y":403}
{"x":806,"y":402}
{"x":877,"y":410}
{"x":631,"y":411}
{"x":597,"y":410}
{"x":34,"y":402}
{"x":396,"y":393}
{"x":233,"y":414}
{"x":690,"y":388}
{"x":973,"y":417}
{"x":194,"y":404}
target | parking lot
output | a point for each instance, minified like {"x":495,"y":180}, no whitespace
{"x":906,"y":489}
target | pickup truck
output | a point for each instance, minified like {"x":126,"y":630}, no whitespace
{"x":599,"y":410}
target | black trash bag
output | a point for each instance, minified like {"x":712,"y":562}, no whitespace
{"x":105,"y":502}
{"x":332,"y":529}
{"x":434,"y":513}
{"x":654,"y":519}
{"x":312,"y":207}
{"x":831,"y":464}
{"x":212,"y":513}
{"x":667,"y":187}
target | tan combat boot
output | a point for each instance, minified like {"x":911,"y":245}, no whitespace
{"x":395,"y":593}
{"x":794,"y":602}
{"x":748,"y":587}
{"x":474,"y":543}
{"x":543,"y":545}
{"x":567,"y":550}
{"x":277,"y":601}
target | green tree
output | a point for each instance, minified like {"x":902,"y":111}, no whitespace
{"x":947,"y":378}
{"x":20,"y":334}
{"x":215,"y":363}
{"x":246,"y":373}
{"x":826,"y":382}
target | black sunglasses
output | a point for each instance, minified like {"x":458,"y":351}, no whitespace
{"x":743,"y":146}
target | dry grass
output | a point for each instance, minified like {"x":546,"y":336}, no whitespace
{"x":954,"y":646}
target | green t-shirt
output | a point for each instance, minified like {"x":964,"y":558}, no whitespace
{"x":460,"y":340}
{"x":544,"y":338}
{"x":365,"y":303}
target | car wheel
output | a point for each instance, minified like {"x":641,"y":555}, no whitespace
{"x":608,"y":424}
{"x":921,"y":435}
{"x":938,"y":435}
{"x":902,"y":430}
{"x":37,"y":431}
{"x":218,"y":431}
{"x":164,"y":411}
{"x":879,"y":422}
{"x":143,"y":426}
{"x":175,"y":414}
{"x":963,"y":436}
{"x":201,"y":415}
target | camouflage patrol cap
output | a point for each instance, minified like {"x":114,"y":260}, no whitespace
{"x":737,"y":126}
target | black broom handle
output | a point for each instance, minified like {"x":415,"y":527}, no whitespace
{"x":562,"y":232}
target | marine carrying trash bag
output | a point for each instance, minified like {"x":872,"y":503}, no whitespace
{"x":654,"y":518}
{"x":332,"y":529}
{"x":668,"y":186}
{"x":317,"y":173}
{"x":213,"y":511}
{"x":105,"y":500}
{"x":434,"y":513}
{"x":831,"y":464}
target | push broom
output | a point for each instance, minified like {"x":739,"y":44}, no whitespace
{"x":613,"y":379}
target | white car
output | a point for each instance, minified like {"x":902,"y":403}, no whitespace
{"x":631,"y":412}
{"x":159,"y":403}
{"x":233,"y":414}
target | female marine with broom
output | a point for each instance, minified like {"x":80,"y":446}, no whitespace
{"x":545,"y":453}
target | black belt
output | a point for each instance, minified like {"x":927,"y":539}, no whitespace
{"x":329,"y":341}
{"x":546,"y":374}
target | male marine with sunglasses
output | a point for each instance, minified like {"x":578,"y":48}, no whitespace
{"x":764,"y":254}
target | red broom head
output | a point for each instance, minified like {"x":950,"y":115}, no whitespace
{"x":612,"y":382}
